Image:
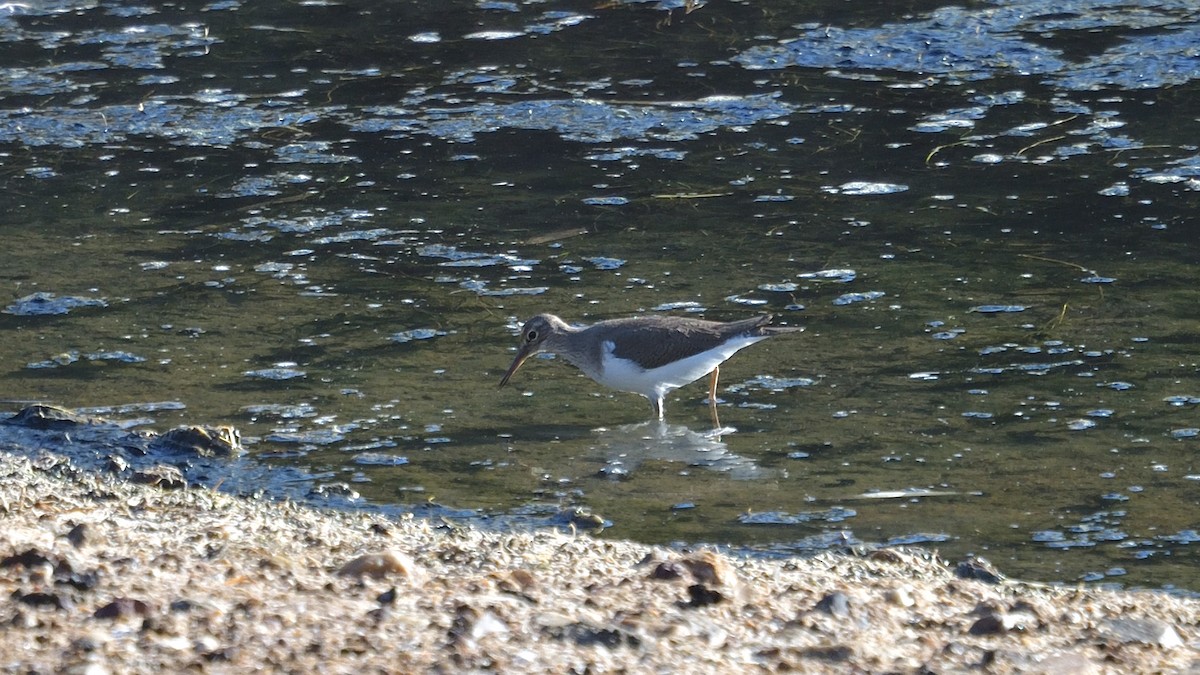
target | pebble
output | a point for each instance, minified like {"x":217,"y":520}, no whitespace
{"x":261,"y":595}
{"x":381,"y":565}
{"x":1146,"y":631}
{"x":123,"y":608}
{"x":834,"y":604}
{"x":160,"y":475}
{"x":901,"y":596}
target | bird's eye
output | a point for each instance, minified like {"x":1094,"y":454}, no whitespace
{"x":531,"y":336}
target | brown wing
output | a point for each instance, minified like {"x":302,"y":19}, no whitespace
{"x":667,"y":339}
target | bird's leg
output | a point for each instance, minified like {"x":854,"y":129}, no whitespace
{"x":658,"y":406}
{"x":712,"y":397}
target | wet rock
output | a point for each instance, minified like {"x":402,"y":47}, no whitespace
{"x":137,"y":442}
{"x":579,"y":519}
{"x":55,"y":465}
{"x":161,"y":475}
{"x":39,"y":416}
{"x":1145,"y":631}
{"x":613,"y":471}
{"x":116,"y":464}
{"x":979,"y":569}
{"x":382,"y":565}
{"x":329,"y":490}
{"x":44,"y":304}
{"x":202,"y":441}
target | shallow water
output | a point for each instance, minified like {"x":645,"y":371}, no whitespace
{"x":323,"y":223}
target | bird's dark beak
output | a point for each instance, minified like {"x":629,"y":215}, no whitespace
{"x":523,"y":353}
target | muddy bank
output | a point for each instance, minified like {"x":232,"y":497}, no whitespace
{"x":101,"y":575}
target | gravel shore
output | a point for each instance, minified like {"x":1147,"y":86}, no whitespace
{"x":104,"y":576}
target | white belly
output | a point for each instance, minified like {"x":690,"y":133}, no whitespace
{"x":625,"y":375}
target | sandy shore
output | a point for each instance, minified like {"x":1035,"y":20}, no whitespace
{"x":101,"y":575}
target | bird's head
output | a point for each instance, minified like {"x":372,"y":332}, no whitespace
{"x":534,"y":335}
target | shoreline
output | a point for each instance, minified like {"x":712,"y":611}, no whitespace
{"x":102,"y":575}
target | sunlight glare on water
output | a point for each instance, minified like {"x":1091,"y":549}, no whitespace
{"x":239,"y":214}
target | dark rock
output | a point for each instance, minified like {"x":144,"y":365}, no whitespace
{"x":222,"y":441}
{"x":831,"y":653}
{"x":44,"y":417}
{"x":27,"y":558}
{"x":988,"y":624}
{"x":116,"y":464}
{"x":606,"y":637}
{"x":78,"y":535}
{"x":587,"y":634}
{"x":667,"y":570}
{"x":55,"y":465}
{"x":328,"y":490}
{"x":123,"y":608}
{"x":835,"y":604}
{"x":579,"y":519}
{"x":40,"y":599}
{"x":993,"y":622}
{"x":80,"y":581}
{"x":701,"y":596}
{"x":162,"y":475}
{"x":387,"y":597}
{"x":979,"y":569}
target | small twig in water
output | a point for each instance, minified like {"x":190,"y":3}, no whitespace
{"x":1055,"y":261}
{"x":1034,"y":145}
{"x":692,"y":195}
{"x":940,"y":148}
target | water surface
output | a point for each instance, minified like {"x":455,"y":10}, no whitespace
{"x":323,"y":223}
